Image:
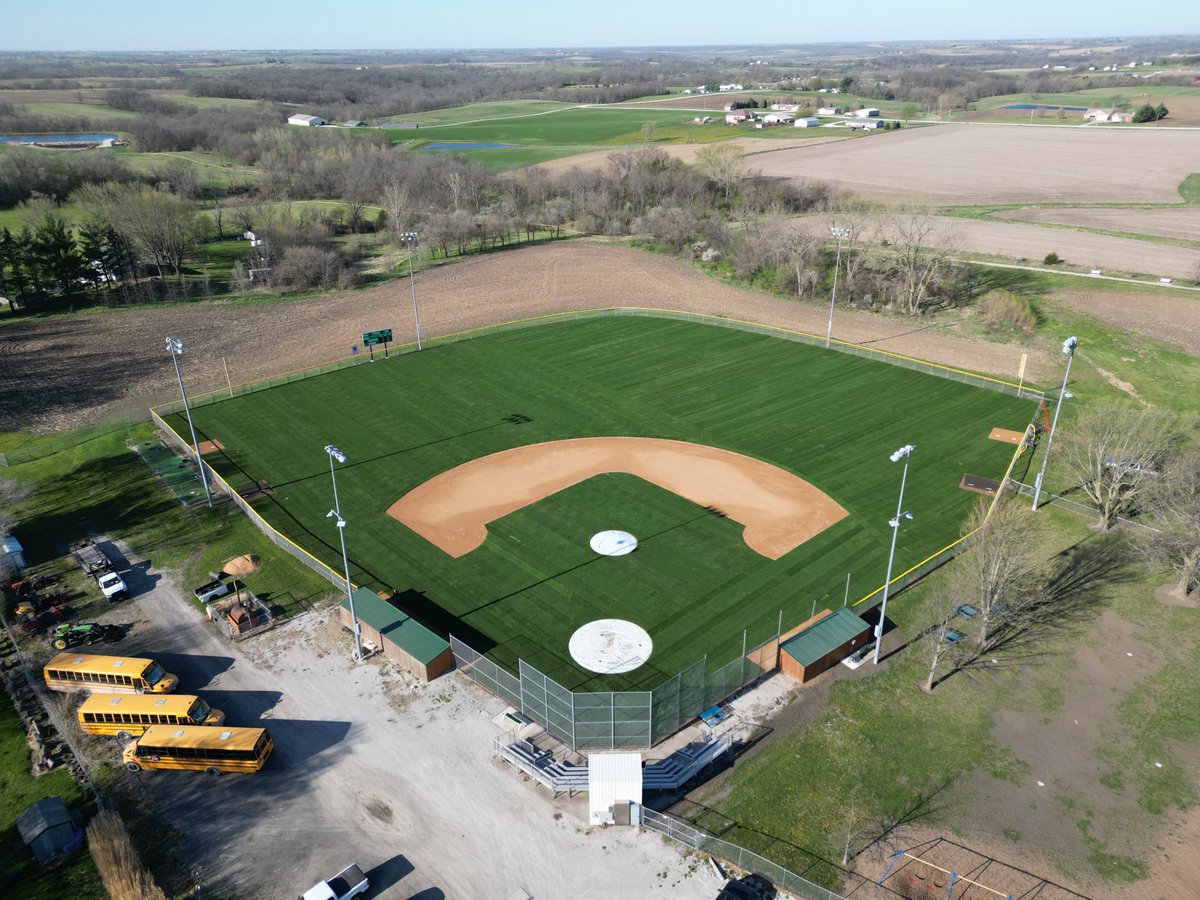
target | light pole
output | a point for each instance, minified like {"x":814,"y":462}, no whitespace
{"x":336,"y":513}
{"x":839,"y":233}
{"x":175,"y":348}
{"x":1068,"y":349}
{"x":902,"y":454}
{"x":409,"y":239}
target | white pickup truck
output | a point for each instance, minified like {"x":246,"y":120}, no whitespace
{"x":350,"y":882}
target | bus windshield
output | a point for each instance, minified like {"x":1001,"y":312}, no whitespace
{"x":154,"y":674}
{"x":199,"y":711}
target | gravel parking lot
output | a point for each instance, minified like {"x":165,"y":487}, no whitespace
{"x":369,"y":768}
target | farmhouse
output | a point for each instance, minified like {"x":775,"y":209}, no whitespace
{"x":730,"y":87}
{"x":738,"y":117}
{"x":310,"y":121}
{"x":808,"y":122}
{"x":1097,"y":114}
{"x":829,"y":111}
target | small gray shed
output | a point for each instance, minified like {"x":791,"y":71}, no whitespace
{"x":49,"y":828}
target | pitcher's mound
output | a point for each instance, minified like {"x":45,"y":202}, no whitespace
{"x":610,"y":646}
{"x":613,"y":543}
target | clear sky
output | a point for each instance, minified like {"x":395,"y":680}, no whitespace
{"x":433,"y":24}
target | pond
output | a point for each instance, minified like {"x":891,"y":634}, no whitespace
{"x":466,"y":145}
{"x":56,"y":138}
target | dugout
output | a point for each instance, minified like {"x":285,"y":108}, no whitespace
{"x":822,"y":643}
{"x":403,"y":639}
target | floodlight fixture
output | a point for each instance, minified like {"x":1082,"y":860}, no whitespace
{"x":839,"y":233}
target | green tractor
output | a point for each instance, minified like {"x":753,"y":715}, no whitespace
{"x":64,"y":636}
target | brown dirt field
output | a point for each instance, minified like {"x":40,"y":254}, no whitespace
{"x":1175,"y":320}
{"x":1182,"y":224}
{"x":77,"y":370}
{"x":779,"y":511}
{"x":1020,"y":240}
{"x":751,"y":147}
{"x":209,"y":447}
{"x":971,"y":164}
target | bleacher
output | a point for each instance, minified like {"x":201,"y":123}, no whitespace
{"x":560,"y":775}
{"x":668,"y":774}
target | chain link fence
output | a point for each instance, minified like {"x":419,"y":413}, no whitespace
{"x":740,"y":857}
{"x":616,"y":719}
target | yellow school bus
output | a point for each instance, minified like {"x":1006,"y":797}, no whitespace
{"x":199,"y":747}
{"x":127,"y":716}
{"x":73,"y":672}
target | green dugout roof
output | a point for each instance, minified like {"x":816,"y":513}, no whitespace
{"x":817,"y":640}
{"x":401,"y":629}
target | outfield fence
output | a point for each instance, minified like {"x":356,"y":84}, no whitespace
{"x":616,"y":719}
{"x":746,"y":860}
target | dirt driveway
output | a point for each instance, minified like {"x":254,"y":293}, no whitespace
{"x":70,"y":371}
{"x":368,"y":770}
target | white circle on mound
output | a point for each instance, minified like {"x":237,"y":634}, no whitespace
{"x":610,"y":646}
{"x":613,"y":543}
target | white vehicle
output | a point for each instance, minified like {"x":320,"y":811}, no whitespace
{"x":112,"y":586}
{"x":350,"y":882}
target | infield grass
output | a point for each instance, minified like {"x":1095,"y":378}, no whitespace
{"x":828,"y":417}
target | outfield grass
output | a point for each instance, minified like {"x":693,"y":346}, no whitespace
{"x":830,"y":418}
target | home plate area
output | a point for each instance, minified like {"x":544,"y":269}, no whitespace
{"x":610,"y":646}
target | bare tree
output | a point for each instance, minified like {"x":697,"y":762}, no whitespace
{"x":1111,"y":453}
{"x":1002,"y":567}
{"x":724,"y":164}
{"x":940,"y":638}
{"x":1172,"y":506}
{"x":921,"y":248}
{"x":863,"y":222}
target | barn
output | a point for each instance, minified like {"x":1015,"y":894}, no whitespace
{"x":310,"y":121}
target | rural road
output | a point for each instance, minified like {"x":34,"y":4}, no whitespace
{"x":368,"y":770}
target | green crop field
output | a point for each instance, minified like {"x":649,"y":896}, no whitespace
{"x":573,"y":126}
{"x":493,"y":110}
{"x":830,"y":418}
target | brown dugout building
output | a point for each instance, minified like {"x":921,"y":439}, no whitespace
{"x":822,"y":643}
{"x":403,"y":639}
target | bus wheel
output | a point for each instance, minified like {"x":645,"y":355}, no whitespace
{"x":133,"y":767}
{"x":213,"y":770}
{"x":123,"y":735}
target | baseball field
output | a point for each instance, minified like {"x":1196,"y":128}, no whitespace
{"x":821,"y":419}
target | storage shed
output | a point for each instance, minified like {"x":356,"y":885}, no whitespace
{"x":403,"y":639}
{"x":49,"y":828}
{"x":614,"y":782}
{"x":822,"y":643}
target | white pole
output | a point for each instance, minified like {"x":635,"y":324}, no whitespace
{"x":903,"y":452}
{"x":1069,"y":346}
{"x":175,"y":347}
{"x":410,"y":238}
{"x":335,"y":454}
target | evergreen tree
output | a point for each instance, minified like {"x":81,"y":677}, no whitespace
{"x":56,"y":254}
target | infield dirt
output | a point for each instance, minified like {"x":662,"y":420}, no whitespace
{"x":779,"y":511}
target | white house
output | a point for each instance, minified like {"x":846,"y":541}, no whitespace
{"x":738,"y":117}
{"x":1099,"y":115}
{"x":731,"y":87}
{"x":829,"y":111}
{"x":808,"y":122}
{"x":306,"y":120}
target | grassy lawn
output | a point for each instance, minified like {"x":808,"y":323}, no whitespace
{"x":595,"y":125}
{"x":499,"y":109}
{"x":77,"y":877}
{"x":76,"y":110}
{"x":1099,"y":96}
{"x":101,"y":487}
{"x":1189,"y":189}
{"x":520,"y":594}
{"x":213,"y":170}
